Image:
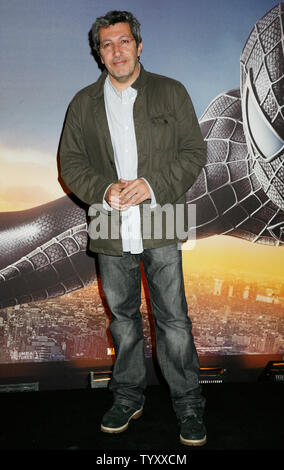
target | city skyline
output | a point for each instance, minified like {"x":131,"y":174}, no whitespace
{"x":230,"y":316}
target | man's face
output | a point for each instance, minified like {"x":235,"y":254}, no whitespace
{"x":119,"y":53}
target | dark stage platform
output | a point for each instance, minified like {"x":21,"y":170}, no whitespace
{"x":240,"y":417}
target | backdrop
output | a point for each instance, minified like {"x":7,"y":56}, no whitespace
{"x":229,"y":56}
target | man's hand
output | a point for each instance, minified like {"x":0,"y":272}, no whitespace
{"x":113,"y":196}
{"x":124,"y":194}
{"x":134,"y":192}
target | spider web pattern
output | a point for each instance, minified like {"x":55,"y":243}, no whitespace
{"x":56,"y":268}
{"x":263,"y":54}
{"x":228,"y":196}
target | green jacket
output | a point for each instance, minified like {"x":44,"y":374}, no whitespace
{"x":170,"y":147}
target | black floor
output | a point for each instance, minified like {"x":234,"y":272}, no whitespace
{"x":245,"y":417}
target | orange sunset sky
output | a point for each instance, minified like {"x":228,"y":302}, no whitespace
{"x":224,"y":253}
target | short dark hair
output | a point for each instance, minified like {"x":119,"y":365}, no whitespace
{"x":111,"y":18}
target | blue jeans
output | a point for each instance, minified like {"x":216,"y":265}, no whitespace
{"x":176,"y":352}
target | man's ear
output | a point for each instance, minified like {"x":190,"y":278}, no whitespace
{"x":139,"y":49}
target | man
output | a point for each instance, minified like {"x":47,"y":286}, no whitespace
{"x":132,"y":141}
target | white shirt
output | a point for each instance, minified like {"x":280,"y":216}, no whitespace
{"x":119,"y":111}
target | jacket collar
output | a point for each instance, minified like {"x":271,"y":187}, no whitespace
{"x":141,"y":80}
{"x":97,"y":89}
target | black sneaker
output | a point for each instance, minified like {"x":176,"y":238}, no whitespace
{"x":192,"y":431}
{"x":117,"y":418}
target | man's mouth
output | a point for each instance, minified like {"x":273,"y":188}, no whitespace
{"x":120,"y":62}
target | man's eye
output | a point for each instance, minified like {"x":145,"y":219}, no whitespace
{"x":124,"y":42}
{"x":106,"y":45}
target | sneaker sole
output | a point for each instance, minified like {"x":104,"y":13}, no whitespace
{"x":193,"y":442}
{"x":135,"y":415}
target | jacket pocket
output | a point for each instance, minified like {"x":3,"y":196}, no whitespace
{"x":163,"y":131}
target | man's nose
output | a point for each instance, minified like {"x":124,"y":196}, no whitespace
{"x":116,"y":49}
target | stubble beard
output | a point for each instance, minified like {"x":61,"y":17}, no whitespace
{"x":124,"y":78}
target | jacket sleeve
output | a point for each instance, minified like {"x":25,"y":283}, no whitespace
{"x":75,"y":168}
{"x":176,"y":176}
